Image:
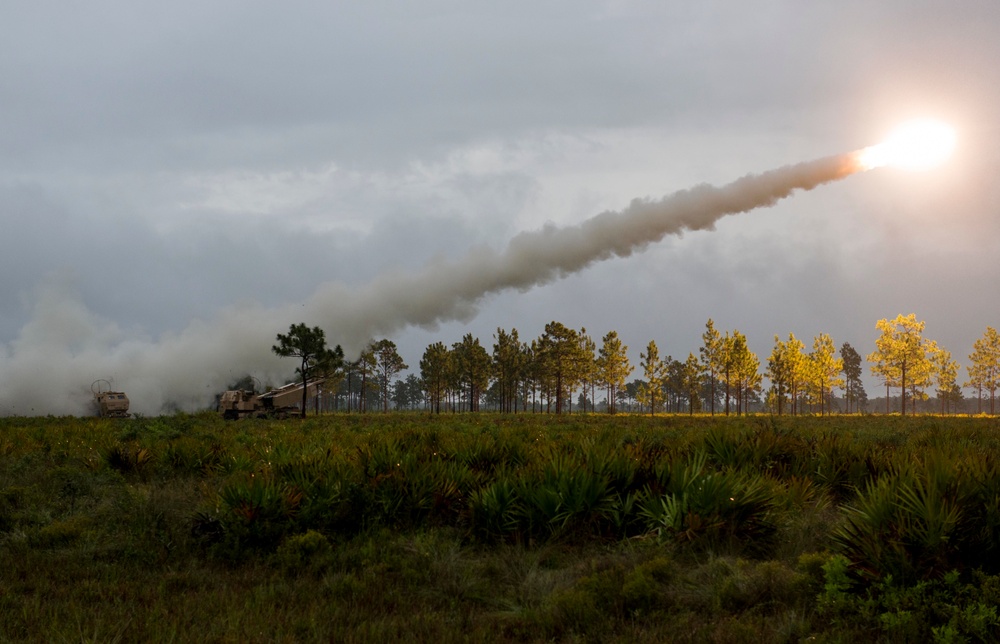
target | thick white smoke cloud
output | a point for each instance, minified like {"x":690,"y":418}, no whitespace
{"x":49,"y":367}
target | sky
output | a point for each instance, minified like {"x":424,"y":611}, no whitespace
{"x":179,"y":182}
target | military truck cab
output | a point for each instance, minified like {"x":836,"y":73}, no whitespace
{"x":109,"y":404}
{"x":238,"y":403}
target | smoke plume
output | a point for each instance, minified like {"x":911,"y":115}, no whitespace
{"x":64,"y":347}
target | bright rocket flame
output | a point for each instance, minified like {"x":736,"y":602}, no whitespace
{"x":915,"y":145}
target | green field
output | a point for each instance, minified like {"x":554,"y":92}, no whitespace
{"x":478,"y":527}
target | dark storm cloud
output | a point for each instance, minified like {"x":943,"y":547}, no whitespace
{"x":150,"y":84}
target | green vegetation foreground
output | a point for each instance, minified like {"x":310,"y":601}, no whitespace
{"x":476,"y":527}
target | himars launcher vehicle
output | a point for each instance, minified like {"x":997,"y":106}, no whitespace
{"x":281,"y":402}
{"x":107,"y":403}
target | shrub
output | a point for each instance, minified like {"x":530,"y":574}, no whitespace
{"x":643,"y":589}
{"x":258,"y":511}
{"x":918,"y":522}
{"x":193,"y":456}
{"x":495,"y":511}
{"x":61,"y":533}
{"x":12,"y":503}
{"x":565,"y":499}
{"x":310,"y":550}
{"x":128,"y":458}
{"x":710,"y":508}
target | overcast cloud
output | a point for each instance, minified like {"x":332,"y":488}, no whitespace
{"x":176,"y":174}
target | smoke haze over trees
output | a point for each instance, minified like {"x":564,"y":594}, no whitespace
{"x":180,"y":368}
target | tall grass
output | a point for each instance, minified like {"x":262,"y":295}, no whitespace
{"x":487,"y":527}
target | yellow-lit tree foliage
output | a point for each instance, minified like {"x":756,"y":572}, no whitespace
{"x":613,"y":367}
{"x":945,"y":378}
{"x":984,"y":372}
{"x":824,"y":370}
{"x":901,"y":356}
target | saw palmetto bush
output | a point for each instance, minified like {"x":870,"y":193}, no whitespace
{"x":331,"y":497}
{"x":564,"y":498}
{"x":189,"y":455}
{"x":923,"y":519}
{"x":418,"y":491}
{"x":495,"y":512}
{"x":766,"y":447}
{"x":620,"y":468}
{"x":835,"y":461}
{"x":129,"y":458}
{"x":490,"y":452}
{"x":708,"y":507}
{"x":258,"y":510}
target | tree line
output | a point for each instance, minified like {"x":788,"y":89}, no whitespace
{"x":724,"y":376}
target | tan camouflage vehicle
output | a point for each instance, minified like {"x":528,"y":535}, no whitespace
{"x":107,"y":403}
{"x":239,"y":403}
{"x":277,"y":403}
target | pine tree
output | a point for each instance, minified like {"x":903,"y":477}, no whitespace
{"x":788,"y":373}
{"x":691,"y":381}
{"x":654,"y":370}
{"x":712,"y":357}
{"x":435,"y":367}
{"x":613,"y":367}
{"x":901,"y":356}
{"x":508,"y":367}
{"x":825,"y":369}
{"x":779,"y":372}
{"x":984,"y":372}
{"x":945,"y":377}
{"x":588,"y":367}
{"x":744,"y":370}
{"x":366,"y":365}
{"x":389,"y":364}
{"x":560,"y":359}
{"x":309,"y":346}
{"x":853,"y":387}
{"x":471,"y":369}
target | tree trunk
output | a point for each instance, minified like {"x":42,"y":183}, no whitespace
{"x":902,"y":390}
{"x":727,"y":391}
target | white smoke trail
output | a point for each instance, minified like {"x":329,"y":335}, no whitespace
{"x":48,"y":368}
